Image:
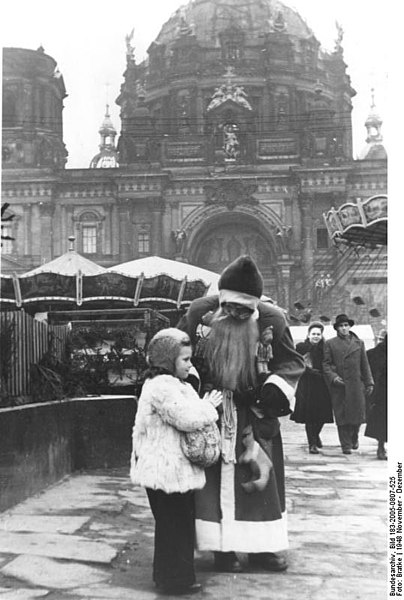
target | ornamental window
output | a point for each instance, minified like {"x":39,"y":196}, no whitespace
{"x":89,"y":232}
{"x":89,"y":239}
{"x":9,"y":109}
{"x":232,"y":51}
{"x":143,"y":240}
{"x":322,"y":238}
{"x":6,"y":244}
{"x":232,"y":43}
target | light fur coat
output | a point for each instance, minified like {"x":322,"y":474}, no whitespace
{"x":166,"y":407}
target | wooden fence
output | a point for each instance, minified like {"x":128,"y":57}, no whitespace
{"x":31,"y":340}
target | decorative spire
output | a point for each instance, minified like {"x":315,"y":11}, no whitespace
{"x":374,"y":148}
{"x":107,"y":131}
{"x":184,"y":28}
{"x":279,"y":23}
{"x":373,"y":122}
{"x":108,"y":156}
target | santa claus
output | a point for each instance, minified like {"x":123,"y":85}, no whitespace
{"x":243,"y":347}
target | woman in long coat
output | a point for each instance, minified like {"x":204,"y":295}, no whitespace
{"x":348,"y":374}
{"x":377,"y":418}
{"x":313,"y":402}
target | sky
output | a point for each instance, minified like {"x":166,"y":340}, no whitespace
{"x":87,"y":40}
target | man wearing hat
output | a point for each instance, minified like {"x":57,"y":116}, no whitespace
{"x":228,"y":519}
{"x":348,"y":373}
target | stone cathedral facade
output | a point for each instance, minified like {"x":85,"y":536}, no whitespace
{"x":235,"y":138}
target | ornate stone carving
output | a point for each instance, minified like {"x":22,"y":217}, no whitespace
{"x":229,"y":91}
{"x":230,"y":193}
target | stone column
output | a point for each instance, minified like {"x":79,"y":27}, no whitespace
{"x":115,"y":231}
{"x":199,"y":111}
{"x":46,"y":238}
{"x":27,"y":229}
{"x":306,"y":206}
{"x":108,"y":230}
{"x":124,"y":224}
{"x":65,"y":229}
{"x":36,"y":234}
{"x":284,"y":267}
{"x":157,"y":209}
{"x":266,"y":108}
{"x":37,"y":104}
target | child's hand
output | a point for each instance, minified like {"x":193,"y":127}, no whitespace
{"x":214,"y":397}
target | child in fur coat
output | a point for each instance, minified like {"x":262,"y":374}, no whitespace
{"x":168,"y":406}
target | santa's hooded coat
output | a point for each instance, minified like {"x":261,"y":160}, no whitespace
{"x":228,"y":518}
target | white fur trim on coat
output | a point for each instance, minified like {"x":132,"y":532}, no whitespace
{"x":246,"y":300}
{"x":287,"y":389}
{"x":166,"y":407}
{"x":239,"y":536}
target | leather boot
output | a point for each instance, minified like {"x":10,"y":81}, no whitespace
{"x":227,"y":562}
{"x":268,"y":561}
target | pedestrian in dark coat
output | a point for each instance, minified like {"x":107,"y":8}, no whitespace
{"x":348,"y":373}
{"x":376,"y":427}
{"x":313,"y":401}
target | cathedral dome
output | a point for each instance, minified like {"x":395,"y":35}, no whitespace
{"x":33,"y":92}
{"x":231,"y":75}
{"x":207,"y":18}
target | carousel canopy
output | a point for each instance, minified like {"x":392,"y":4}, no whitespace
{"x":153,"y":266}
{"x":69,"y":263}
{"x":150,"y":282}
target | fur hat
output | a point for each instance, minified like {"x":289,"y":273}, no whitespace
{"x":165,"y":346}
{"x":317,"y":324}
{"x":241,"y":282}
{"x":342,"y":319}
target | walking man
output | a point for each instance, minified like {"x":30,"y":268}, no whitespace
{"x":348,"y":373}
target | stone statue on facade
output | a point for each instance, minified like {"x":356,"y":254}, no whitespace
{"x":231,"y":144}
{"x":179,"y":236}
{"x":130,"y":49}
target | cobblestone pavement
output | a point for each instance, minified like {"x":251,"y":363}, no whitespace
{"x":90,"y":536}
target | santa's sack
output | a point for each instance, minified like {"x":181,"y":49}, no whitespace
{"x":202,"y":446}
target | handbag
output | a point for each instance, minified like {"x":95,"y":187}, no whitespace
{"x":202,"y":446}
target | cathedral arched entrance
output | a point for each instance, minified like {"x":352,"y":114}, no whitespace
{"x":222,"y":239}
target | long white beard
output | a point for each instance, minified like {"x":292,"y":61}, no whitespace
{"x":231,"y":351}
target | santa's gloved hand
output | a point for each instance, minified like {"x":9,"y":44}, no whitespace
{"x":274,"y":402}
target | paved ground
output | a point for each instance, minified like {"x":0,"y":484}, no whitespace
{"x":91,"y":535}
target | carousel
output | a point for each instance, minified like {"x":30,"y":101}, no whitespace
{"x":72,"y":282}
{"x":110,"y":313}
{"x":363,"y":223}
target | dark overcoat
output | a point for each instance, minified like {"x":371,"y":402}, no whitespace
{"x":313,"y":401}
{"x":227,"y":518}
{"x":377,"y":415}
{"x":347,"y":359}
